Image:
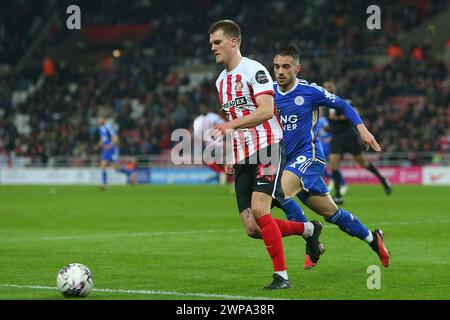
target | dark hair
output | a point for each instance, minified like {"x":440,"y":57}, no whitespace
{"x":229,"y":27}
{"x":289,"y":50}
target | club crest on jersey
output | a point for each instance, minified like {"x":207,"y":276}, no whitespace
{"x":238,"y":86}
{"x":299,"y":100}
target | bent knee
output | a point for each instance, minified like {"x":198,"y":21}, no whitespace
{"x":257,"y":211}
{"x":289,"y":194}
{"x":323,"y":205}
{"x":329,"y":211}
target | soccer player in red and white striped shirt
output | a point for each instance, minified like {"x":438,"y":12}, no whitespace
{"x":246,"y":96}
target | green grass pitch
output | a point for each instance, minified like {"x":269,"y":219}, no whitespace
{"x":186,"y":242}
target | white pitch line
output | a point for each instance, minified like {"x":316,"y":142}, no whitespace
{"x":194,"y":232}
{"x":407,"y":223}
{"x":149,"y":292}
{"x":140,"y":234}
{"x":118,"y":235}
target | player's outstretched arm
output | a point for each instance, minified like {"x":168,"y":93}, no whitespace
{"x":352,"y":115}
{"x":333,"y":101}
{"x":367,"y":138}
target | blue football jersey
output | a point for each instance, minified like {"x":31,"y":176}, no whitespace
{"x":106,"y":133}
{"x":298,"y":110}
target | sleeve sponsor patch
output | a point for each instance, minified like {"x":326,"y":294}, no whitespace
{"x":261,"y":77}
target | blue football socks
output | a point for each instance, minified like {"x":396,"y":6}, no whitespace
{"x":293,"y":211}
{"x":350,"y":224}
{"x":104,"y":177}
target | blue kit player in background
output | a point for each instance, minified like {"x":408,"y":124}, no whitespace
{"x":297,"y":103}
{"x":345,"y":139}
{"x":325,"y":135}
{"x":110,"y":152}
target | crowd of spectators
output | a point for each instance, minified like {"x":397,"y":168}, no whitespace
{"x":142,"y":99}
{"x":178,"y":27}
{"x":405,"y":102}
{"x":20,"y":21}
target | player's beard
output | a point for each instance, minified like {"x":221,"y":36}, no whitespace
{"x":284,"y":84}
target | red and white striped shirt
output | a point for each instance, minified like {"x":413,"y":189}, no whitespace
{"x":238,"y":90}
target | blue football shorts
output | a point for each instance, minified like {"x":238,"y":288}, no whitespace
{"x":310,"y":172}
{"x":111,"y":155}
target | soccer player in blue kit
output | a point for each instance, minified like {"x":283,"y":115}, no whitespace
{"x":297,"y":103}
{"x":110,"y":152}
{"x":345,"y":139}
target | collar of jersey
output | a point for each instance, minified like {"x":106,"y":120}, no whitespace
{"x":290,"y":90}
{"x":240,"y":62}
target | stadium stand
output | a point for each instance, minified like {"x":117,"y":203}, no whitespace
{"x":402,"y":93}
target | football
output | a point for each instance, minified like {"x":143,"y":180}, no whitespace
{"x":75,"y":280}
